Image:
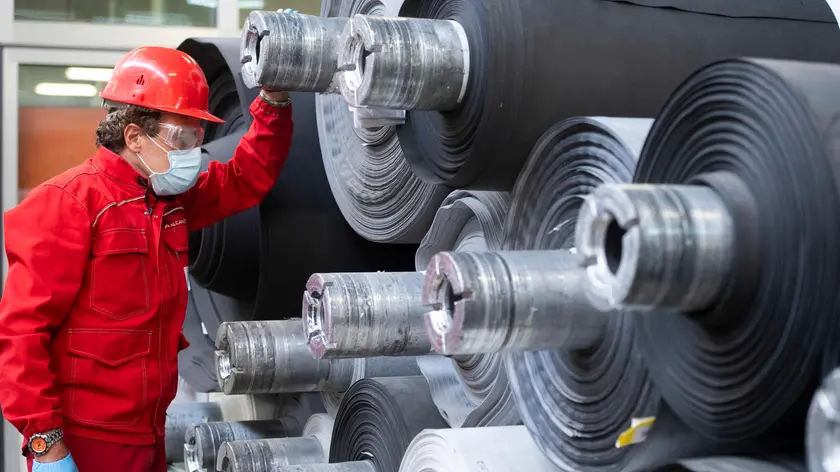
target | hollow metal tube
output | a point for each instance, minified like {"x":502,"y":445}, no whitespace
{"x":292,"y":52}
{"x":404,"y":63}
{"x":262,"y":455}
{"x":356,"y":466}
{"x":483,"y":302}
{"x":202,"y":442}
{"x":655,"y":246}
{"x":364,"y":315}
{"x":182,"y":416}
{"x":272,"y":357}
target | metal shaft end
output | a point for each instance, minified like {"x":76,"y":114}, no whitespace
{"x":655,"y":246}
{"x":192,"y":461}
{"x":446,"y":293}
{"x":404,"y":63}
{"x":315,"y":319}
{"x":293,"y":52}
{"x":226,"y":369}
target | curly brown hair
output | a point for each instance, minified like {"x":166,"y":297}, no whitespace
{"x":110,"y":131}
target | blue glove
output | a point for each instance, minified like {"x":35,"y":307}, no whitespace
{"x":64,"y":465}
{"x":288,"y":11}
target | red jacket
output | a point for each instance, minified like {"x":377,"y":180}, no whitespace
{"x":91,"y":314}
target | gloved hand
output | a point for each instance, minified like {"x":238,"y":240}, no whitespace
{"x":287,"y":10}
{"x":64,"y":465}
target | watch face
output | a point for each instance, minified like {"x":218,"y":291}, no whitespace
{"x":38,"y":445}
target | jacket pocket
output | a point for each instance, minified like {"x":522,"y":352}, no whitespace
{"x":108,"y":383}
{"x":119,"y":275}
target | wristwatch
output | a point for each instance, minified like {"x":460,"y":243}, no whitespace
{"x":274,"y":103}
{"x":40,"y":443}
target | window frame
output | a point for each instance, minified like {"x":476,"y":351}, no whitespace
{"x":81,"y":35}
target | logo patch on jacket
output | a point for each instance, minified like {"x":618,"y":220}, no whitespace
{"x":180,"y":222}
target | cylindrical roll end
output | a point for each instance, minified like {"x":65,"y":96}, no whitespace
{"x":192,"y":454}
{"x":364,"y":314}
{"x":486,"y":302}
{"x":230,"y":375}
{"x":655,"y":246}
{"x":404,"y":63}
{"x":226,"y":461}
{"x":466,"y":310}
{"x":292,"y":52}
{"x":315,"y":315}
{"x":181,"y":417}
{"x":357,"y":466}
{"x":271,"y":357}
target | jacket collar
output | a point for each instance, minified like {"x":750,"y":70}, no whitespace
{"x":115,"y":167}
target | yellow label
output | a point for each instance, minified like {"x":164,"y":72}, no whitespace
{"x":638,"y":431}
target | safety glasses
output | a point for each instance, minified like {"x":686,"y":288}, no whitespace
{"x":179,"y":137}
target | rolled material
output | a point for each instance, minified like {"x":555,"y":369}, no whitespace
{"x":272,"y":357}
{"x":378,"y":418}
{"x":224,"y":257}
{"x":513,"y":97}
{"x":595,"y":392}
{"x":320,"y":426}
{"x":502,"y":449}
{"x":355,"y":466}
{"x":202,"y":442}
{"x":469,"y":390}
{"x":823,"y":434}
{"x":182,"y":416}
{"x":404,"y":63}
{"x":466,"y":221}
{"x":348,"y":315}
{"x":519,"y":300}
{"x":366,"y":368}
{"x":299,"y":199}
{"x":261,"y":455}
{"x":720,"y":369}
{"x":373,"y":185}
{"x":656,"y":246}
{"x":734,"y":464}
{"x":290,"y":51}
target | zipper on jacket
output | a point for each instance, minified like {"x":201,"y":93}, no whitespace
{"x":152,"y":218}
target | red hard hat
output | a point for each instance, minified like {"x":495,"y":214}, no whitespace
{"x":162,"y":79}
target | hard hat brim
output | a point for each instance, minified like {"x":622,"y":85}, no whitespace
{"x":191,"y":112}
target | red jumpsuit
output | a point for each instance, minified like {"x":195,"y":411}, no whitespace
{"x":90,"y":319}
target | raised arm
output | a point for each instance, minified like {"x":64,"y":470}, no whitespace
{"x":47,"y":238}
{"x":226,"y":189}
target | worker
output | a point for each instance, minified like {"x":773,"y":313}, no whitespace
{"x":96,"y":292}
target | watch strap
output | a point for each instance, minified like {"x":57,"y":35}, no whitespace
{"x":275,"y":103}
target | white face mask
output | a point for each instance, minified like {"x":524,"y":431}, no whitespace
{"x":184,"y":167}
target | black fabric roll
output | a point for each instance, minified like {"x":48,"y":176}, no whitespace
{"x":374,"y":186}
{"x":750,"y":364}
{"x":378,"y":418}
{"x":598,"y":391}
{"x":301,"y":230}
{"x":536,"y":62}
{"x":222,"y":254}
{"x":214,"y":309}
{"x":196,"y":364}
